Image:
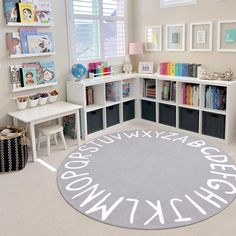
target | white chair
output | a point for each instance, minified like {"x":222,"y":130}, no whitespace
{"x":48,"y":131}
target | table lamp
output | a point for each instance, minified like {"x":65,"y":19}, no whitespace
{"x":134,"y":49}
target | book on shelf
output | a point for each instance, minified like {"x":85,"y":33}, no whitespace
{"x":89,"y":96}
{"x":29,"y":76}
{"x":125,"y":89}
{"x":48,"y":71}
{"x":190,"y":94}
{"x":39,"y":44}
{"x":11,"y":10}
{"x":169,"y":91}
{"x":16,"y":76}
{"x":13,"y":43}
{"x":44,"y":11}
{"x":215,"y":98}
{"x":113,"y":92}
{"x":24,"y":33}
{"x":149,"y":88}
{"x":26,"y":10}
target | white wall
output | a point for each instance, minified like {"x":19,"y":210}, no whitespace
{"x":149,"y":13}
{"x":61,"y":60}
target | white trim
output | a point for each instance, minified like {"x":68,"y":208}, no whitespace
{"x":210,"y":23}
{"x":183,"y":36}
{"x":219,"y":49}
{"x":160,"y":44}
{"x":177,"y":3}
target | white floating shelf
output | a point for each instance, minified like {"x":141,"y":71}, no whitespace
{"x":33,"y":55}
{"x":34,"y":87}
{"x":19,"y":24}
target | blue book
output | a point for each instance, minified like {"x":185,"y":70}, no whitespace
{"x":11,"y":10}
{"x":48,"y":72}
{"x":49,"y":36}
{"x":24,"y":33}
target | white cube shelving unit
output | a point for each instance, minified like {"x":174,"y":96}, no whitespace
{"x":219,"y":124}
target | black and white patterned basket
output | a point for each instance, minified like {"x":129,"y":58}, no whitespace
{"x":13,"y":151}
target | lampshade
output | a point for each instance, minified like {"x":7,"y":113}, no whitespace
{"x":135,"y":48}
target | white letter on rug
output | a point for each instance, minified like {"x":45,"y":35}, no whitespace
{"x":217,"y":186}
{"x":211,"y":195}
{"x":158,"y":210}
{"x":180,"y":218}
{"x":147,"y":134}
{"x":89,"y":179}
{"x":132,"y":135}
{"x":105,"y":212}
{"x":197,"y":144}
{"x":136,"y":201}
{"x":196,"y":205}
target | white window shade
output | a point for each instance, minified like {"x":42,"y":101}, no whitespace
{"x":175,"y":3}
{"x":97,"y":29}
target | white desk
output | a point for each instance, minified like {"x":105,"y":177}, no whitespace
{"x":40,"y":114}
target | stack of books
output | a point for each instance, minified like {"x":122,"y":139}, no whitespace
{"x":180,"y":69}
{"x":190,"y":94}
{"x":89,"y":96}
{"x":149,"y":88}
{"x":215,"y":97}
{"x":113,"y":92}
{"x":169,"y":91}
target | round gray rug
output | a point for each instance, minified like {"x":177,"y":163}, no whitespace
{"x":148,"y":179}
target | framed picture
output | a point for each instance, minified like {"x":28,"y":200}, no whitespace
{"x":201,"y":36}
{"x":226,"y":36}
{"x":145,"y":67}
{"x":175,"y":37}
{"x":153,"y":38}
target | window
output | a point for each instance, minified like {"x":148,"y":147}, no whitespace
{"x":97,"y":29}
{"x":174,"y":3}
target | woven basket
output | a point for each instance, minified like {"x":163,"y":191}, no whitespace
{"x":13,"y":150}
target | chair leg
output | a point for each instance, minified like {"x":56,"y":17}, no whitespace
{"x":39,"y":141}
{"x":48,"y":145}
{"x":63,"y":139}
{"x":55,"y":139}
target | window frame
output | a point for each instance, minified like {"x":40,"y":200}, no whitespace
{"x":112,"y":60}
{"x":163,"y":4}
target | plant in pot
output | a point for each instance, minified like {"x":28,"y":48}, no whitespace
{"x":33,"y":100}
{"x":53,"y":95}
{"x":22,"y":102}
{"x":43,"y":98}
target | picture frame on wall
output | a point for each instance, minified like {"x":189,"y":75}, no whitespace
{"x":201,"y":36}
{"x":175,"y":37}
{"x":153,"y":38}
{"x":226,"y":36}
{"x":145,"y":67}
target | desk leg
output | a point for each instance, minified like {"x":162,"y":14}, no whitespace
{"x":15,"y":122}
{"x":33,"y":142}
{"x":77,"y":126}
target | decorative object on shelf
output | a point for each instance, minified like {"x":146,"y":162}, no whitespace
{"x":153,"y":38}
{"x":22,"y":102}
{"x":228,"y":75}
{"x":97,"y":69}
{"x":201,"y":36}
{"x":43,"y":98}
{"x":226,"y":36}
{"x":135,"y":49}
{"x":175,"y":37}
{"x":53,"y":95}
{"x":206,"y":76}
{"x":79,"y":71}
{"x":145,"y":67}
{"x":127,"y":67}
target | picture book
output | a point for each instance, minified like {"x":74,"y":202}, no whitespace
{"x":50,"y":37}
{"x":29,"y":76}
{"x":39,"y":71}
{"x":39,"y":44}
{"x":16,"y":76}
{"x":11,"y":10}
{"x":43,"y":11}
{"x":48,"y":72}
{"x":26,"y":12}
{"x":13,"y":43}
{"x":24,"y":32}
